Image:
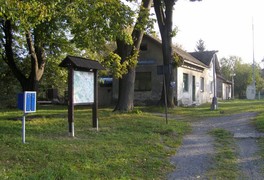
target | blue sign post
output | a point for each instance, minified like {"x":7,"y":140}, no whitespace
{"x":27,"y":103}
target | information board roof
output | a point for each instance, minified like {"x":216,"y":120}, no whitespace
{"x":82,"y":63}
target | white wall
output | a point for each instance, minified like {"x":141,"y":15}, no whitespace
{"x":185,"y":98}
{"x":226,"y":91}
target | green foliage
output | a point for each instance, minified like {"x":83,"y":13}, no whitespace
{"x":243,"y":74}
{"x":242,"y":79}
{"x":54,"y":77}
{"x":99,"y":22}
{"x":118,"y":68}
{"x":64,"y":27}
{"x":113,"y":62}
{"x":10,"y":87}
{"x":174,"y":32}
{"x":43,"y":22}
{"x":259,"y":122}
{"x":145,"y":22}
{"x":177,"y":60}
{"x":27,"y":13}
{"x":132,"y":60}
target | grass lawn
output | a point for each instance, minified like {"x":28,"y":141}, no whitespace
{"x":225,"y":166}
{"x":224,"y":108}
{"x":134,"y":145}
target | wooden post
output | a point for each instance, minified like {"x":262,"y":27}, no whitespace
{"x":70,"y":102}
{"x":95,"y":104}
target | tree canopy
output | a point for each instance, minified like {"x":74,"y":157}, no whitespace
{"x":34,"y":32}
{"x":243,"y":74}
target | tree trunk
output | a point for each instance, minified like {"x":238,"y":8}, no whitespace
{"x":126,"y":83}
{"x":126,"y":92}
{"x":164,"y":18}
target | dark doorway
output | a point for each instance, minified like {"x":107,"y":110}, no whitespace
{"x":193,"y":89}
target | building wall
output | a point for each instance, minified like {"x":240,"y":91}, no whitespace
{"x":104,"y":96}
{"x":226,"y":91}
{"x":185,"y":98}
{"x":149,"y":59}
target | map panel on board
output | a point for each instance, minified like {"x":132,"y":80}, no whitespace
{"x":83,"y":87}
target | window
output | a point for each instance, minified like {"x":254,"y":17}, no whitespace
{"x":143,"y":47}
{"x":202,"y":84}
{"x":185,"y":82}
{"x":143,"y":81}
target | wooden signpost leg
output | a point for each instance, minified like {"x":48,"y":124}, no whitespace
{"x":70,"y":101}
{"x":95,"y":104}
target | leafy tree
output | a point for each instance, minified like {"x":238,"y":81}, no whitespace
{"x":243,"y":74}
{"x":95,"y":24}
{"x":228,"y":65}
{"x":128,"y":54}
{"x":259,"y":79}
{"x":242,"y":79}
{"x":109,"y":21}
{"x":30,"y":32}
{"x":34,"y":32}
{"x":200,"y":47}
{"x":9,"y":86}
{"x":164,"y":12}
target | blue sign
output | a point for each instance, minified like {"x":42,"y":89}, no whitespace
{"x":27,"y":101}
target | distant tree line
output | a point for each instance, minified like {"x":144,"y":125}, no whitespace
{"x":243,"y":75}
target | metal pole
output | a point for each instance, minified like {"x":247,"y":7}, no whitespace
{"x":214,"y":101}
{"x":233,"y":87}
{"x":253,"y":66}
{"x":24,"y":129}
{"x":165,"y":99}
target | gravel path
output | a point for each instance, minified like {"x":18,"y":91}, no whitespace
{"x":195,"y":156}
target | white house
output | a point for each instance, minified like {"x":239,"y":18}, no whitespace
{"x":195,"y":80}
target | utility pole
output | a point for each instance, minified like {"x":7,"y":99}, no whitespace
{"x":253,"y":65}
{"x":214,"y":101}
{"x":233,"y":85}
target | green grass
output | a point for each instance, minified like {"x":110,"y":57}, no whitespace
{"x":225,"y":160}
{"x":134,"y":145}
{"x":127,"y":146}
{"x":203,"y":111}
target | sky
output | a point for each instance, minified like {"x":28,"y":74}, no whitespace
{"x":224,"y":25}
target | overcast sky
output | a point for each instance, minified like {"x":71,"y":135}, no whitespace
{"x":224,"y":25}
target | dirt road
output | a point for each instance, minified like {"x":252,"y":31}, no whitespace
{"x":195,"y":156}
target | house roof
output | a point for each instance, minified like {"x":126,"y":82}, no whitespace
{"x":204,"y":56}
{"x":185,"y":55}
{"x":79,"y":62}
{"x":224,"y":80}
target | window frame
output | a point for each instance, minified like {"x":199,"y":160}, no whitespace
{"x":185,"y":82}
{"x":202,"y":84}
{"x":143,"y":47}
{"x":143,"y":84}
